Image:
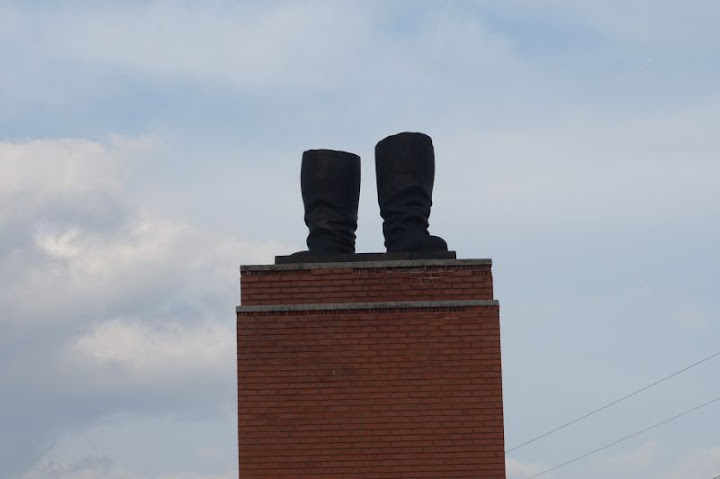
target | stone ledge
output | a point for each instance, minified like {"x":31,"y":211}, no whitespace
{"x":314,"y":258}
{"x":358,"y":306}
{"x":380,"y":260}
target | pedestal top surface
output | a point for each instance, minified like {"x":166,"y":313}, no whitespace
{"x":367,"y":260}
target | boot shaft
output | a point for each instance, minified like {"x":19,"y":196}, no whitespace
{"x":405,"y":171}
{"x":330,"y":184}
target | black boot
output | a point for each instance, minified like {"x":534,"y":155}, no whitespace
{"x":405,"y":169}
{"x":330,"y":183}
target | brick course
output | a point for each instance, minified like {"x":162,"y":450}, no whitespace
{"x":380,"y":391}
{"x":364,"y":282}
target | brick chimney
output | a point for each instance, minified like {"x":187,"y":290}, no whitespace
{"x":375,"y":366}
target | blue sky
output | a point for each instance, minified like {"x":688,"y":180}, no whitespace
{"x":148,"y":148}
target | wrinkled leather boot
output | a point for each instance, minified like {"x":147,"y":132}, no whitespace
{"x":330,"y":184}
{"x":405,"y":169}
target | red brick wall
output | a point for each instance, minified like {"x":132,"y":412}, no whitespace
{"x":453,"y":280}
{"x":370,"y":391}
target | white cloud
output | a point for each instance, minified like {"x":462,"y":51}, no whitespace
{"x":41,"y":172}
{"x":639,"y":458}
{"x":654,"y":460}
{"x":60,"y":246}
{"x":109,"y":306}
{"x":90,"y":249}
{"x":343,"y":59}
{"x":648,"y":459}
{"x":88,"y":468}
{"x":592,"y":174}
{"x":103,"y":468}
{"x":633,"y":23}
{"x":517,"y":469}
{"x":696,"y":318}
{"x":242,"y":44}
{"x":702,"y":462}
{"x":159,"y":350}
{"x":229,"y":475}
{"x":662,"y":23}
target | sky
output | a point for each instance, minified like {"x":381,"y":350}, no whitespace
{"x":149,"y":148}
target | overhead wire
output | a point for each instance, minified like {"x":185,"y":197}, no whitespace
{"x":613,"y":403}
{"x":625,"y":438}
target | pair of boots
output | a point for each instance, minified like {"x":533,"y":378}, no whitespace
{"x":405,"y":169}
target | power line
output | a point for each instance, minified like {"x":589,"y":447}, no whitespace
{"x":630,"y":436}
{"x":591,"y":413}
